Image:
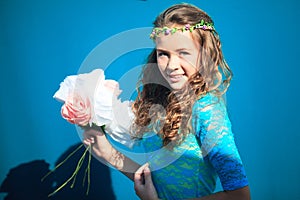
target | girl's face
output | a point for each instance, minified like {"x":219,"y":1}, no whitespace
{"x":177,"y":57}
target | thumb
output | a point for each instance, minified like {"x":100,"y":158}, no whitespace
{"x":147,"y":175}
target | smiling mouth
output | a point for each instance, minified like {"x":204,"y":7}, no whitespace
{"x":175,"y":78}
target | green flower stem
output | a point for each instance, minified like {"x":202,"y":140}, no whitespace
{"x":74,"y":175}
{"x":79,"y":164}
{"x":62,"y":162}
{"x":89,"y":172}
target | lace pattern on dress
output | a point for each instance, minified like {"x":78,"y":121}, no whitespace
{"x":213,"y":129}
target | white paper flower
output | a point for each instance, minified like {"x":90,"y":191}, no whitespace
{"x":120,"y":127}
{"x":104,"y":107}
{"x":66,"y":88}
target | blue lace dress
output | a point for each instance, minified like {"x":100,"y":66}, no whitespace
{"x":191,"y":169}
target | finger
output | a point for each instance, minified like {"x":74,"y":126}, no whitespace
{"x":139,"y":175}
{"x":92,"y":133}
{"x":142,"y":168}
{"x":88,"y":141}
{"x":89,"y":137}
{"x":92,"y":136}
{"x":147,"y":175}
{"x":138,"y":184}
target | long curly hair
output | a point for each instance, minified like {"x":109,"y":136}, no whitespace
{"x":168,"y":112}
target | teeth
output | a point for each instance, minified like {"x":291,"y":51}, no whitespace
{"x":177,"y":76}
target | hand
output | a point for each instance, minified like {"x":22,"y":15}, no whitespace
{"x":143,"y":184}
{"x":100,"y":145}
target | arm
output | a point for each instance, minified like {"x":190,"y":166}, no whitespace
{"x":217,"y":142}
{"x":102,"y":149}
{"x":144,"y":188}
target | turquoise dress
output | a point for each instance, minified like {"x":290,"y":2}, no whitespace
{"x":191,"y":169}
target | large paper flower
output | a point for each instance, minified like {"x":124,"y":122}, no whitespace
{"x":90,"y":101}
{"x":88,"y":98}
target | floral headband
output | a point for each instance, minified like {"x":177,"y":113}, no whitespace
{"x":166,"y":31}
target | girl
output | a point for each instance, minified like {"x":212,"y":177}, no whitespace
{"x":180,"y":115}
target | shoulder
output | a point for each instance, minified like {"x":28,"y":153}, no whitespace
{"x":208,"y":102}
{"x":209,"y":114}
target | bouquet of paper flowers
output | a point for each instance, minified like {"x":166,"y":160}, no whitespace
{"x":90,"y":101}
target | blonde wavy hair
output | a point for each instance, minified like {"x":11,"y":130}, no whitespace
{"x":168,"y":112}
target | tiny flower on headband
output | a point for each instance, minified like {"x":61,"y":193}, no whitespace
{"x":166,"y":30}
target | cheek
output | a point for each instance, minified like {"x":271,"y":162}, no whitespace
{"x":162,"y":64}
{"x":162,"y":61}
{"x":161,"y":70}
{"x":189,"y":68}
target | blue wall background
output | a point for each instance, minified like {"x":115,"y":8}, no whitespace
{"x":41,"y":42}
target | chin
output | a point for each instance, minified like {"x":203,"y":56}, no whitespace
{"x":176,"y":86}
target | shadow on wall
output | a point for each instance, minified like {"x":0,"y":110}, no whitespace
{"x":24,"y":181}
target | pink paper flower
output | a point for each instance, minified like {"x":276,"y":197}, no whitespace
{"x":77,"y":110}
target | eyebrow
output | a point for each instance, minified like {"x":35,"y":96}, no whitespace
{"x":177,"y":50}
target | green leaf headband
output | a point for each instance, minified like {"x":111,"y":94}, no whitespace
{"x":166,"y":31}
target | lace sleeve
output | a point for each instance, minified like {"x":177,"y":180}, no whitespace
{"x":216,"y":139}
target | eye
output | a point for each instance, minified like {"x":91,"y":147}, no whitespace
{"x":183,"y":53}
{"x":161,"y":54}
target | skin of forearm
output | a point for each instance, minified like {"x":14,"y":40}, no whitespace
{"x":122,"y":163}
{"x":105,"y":151}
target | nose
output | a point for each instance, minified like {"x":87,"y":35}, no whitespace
{"x":173,"y":64}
